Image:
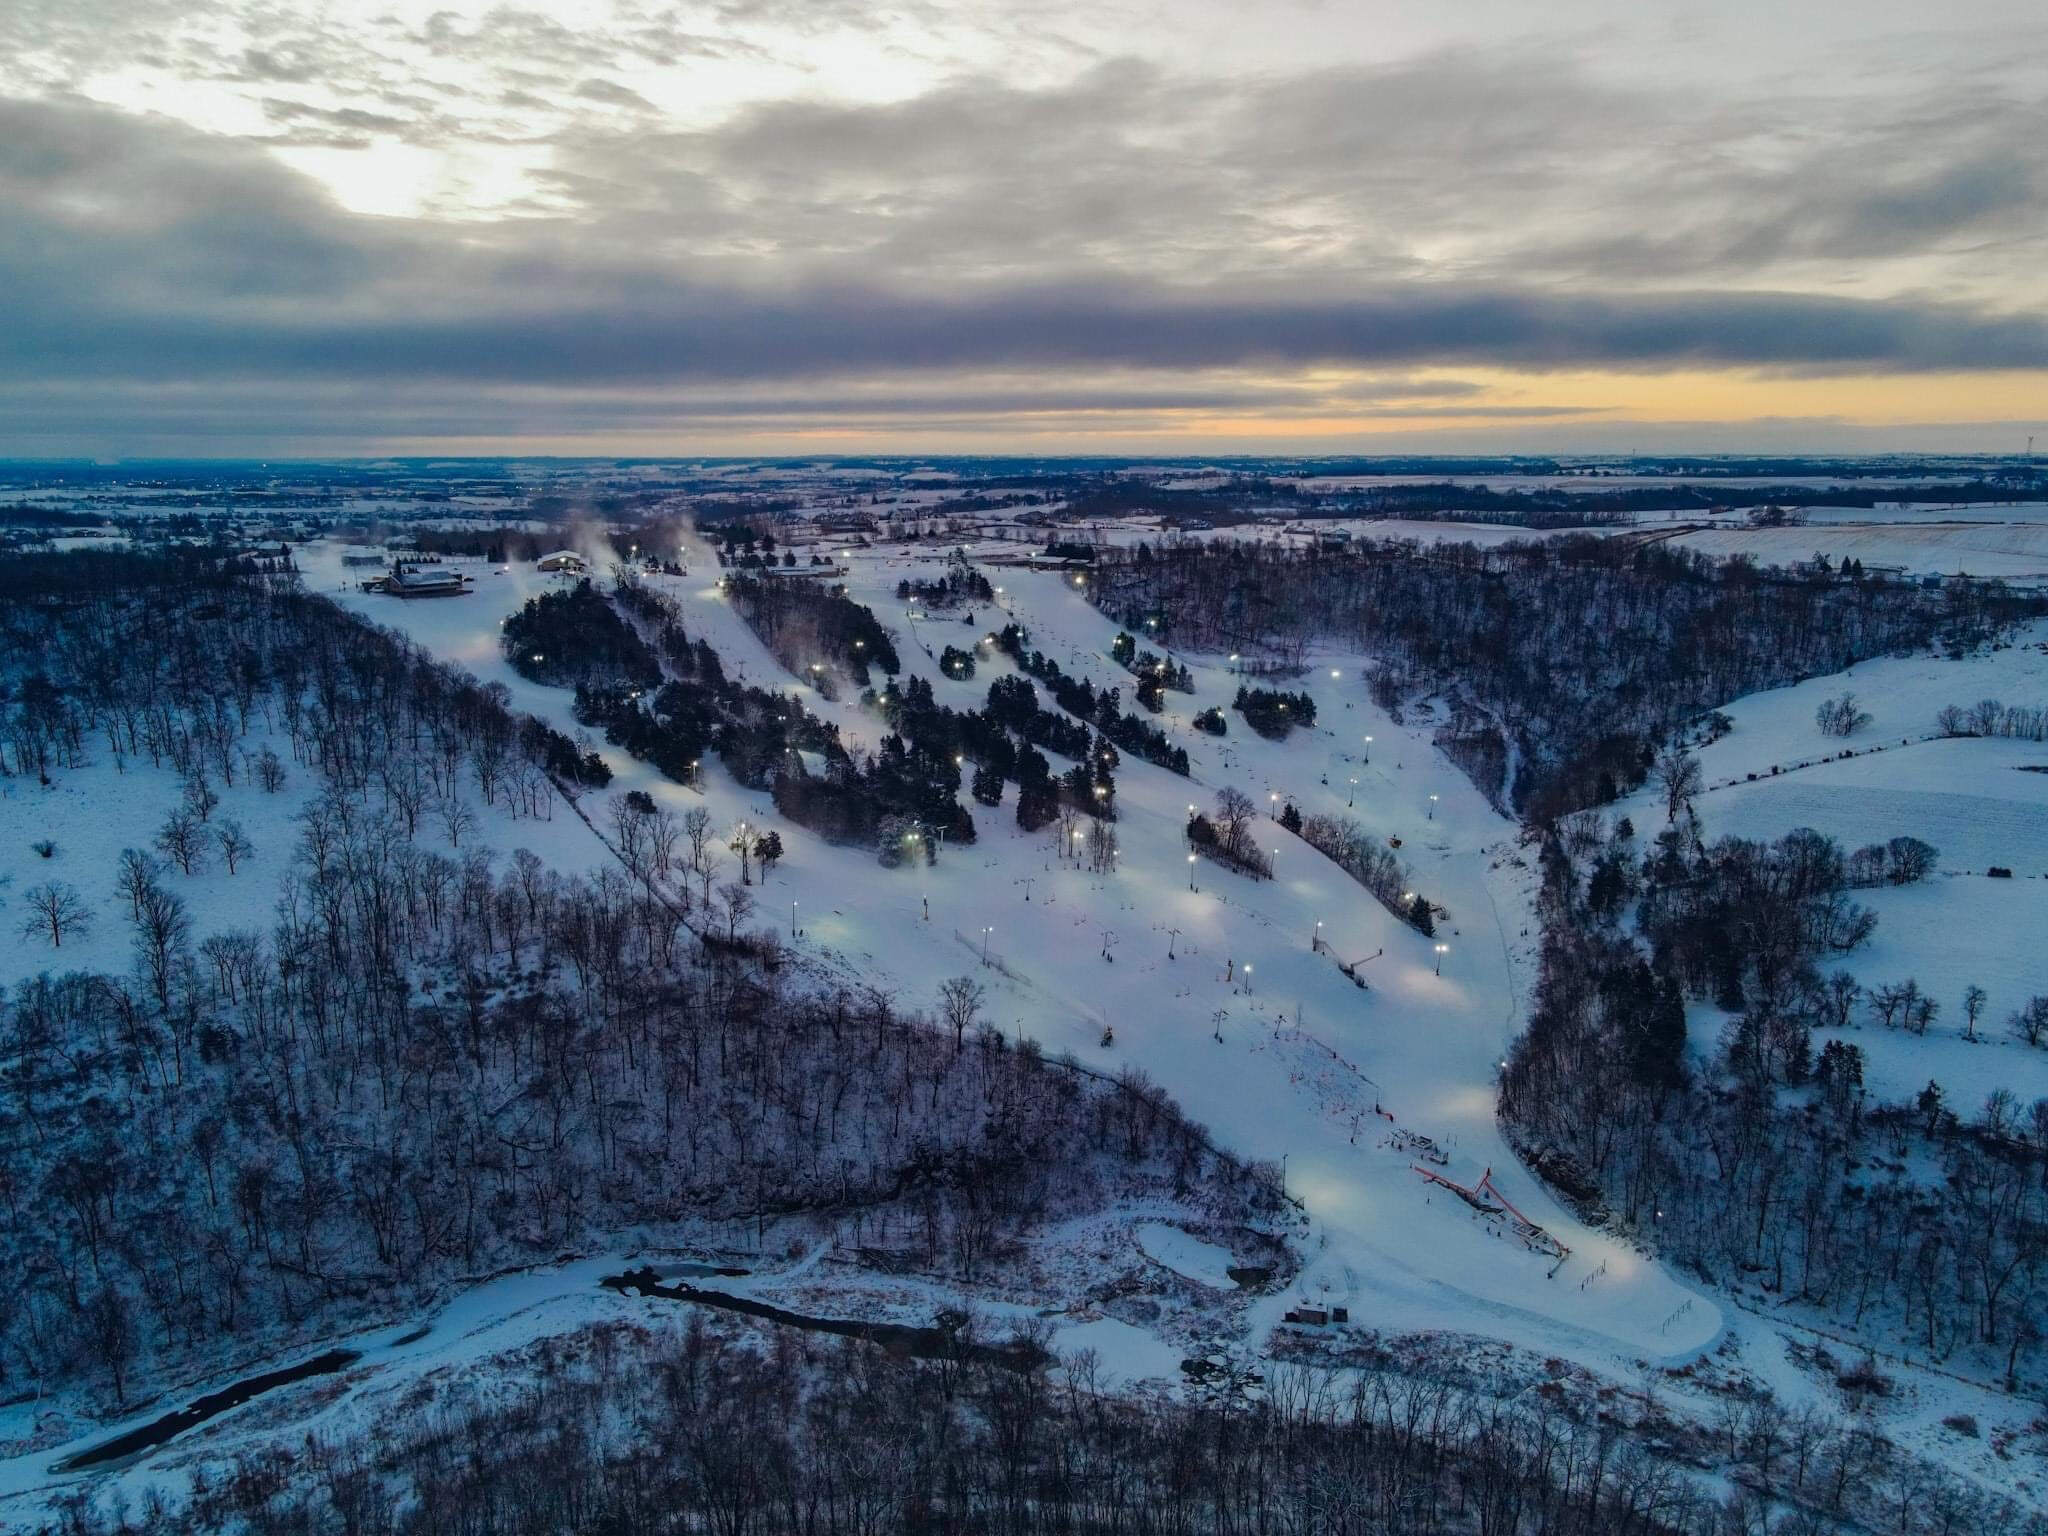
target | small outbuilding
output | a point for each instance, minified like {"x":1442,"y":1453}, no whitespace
{"x":426,"y":581}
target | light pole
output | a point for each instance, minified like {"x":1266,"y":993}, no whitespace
{"x":792,"y":919}
{"x":1247,"y":978}
{"x":985,"y":932}
{"x":1351,"y":798}
{"x":1432,"y":807}
{"x":1441,"y":951}
{"x":1366,"y":756}
{"x":1191,"y":871}
{"x":1315,"y":943}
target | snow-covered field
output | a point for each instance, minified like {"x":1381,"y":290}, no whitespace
{"x":2005,"y":541}
{"x":1972,"y":798}
{"x":2012,"y":550}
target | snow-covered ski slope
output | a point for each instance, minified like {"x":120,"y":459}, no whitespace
{"x":1305,"y":1056}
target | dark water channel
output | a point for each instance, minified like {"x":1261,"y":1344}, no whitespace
{"x":200,"y":1409}
{"x":942,"y":1341}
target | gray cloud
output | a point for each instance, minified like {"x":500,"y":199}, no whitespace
{"x":887,"y":260}
{"x":611,"y":93}
{"x":156,"y":252}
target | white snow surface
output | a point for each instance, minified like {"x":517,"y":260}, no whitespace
{"x":2015,"y":550}
{"x":1124,"y":1353}
{"x":1186,"y":1254}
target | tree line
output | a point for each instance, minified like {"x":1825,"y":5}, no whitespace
{"x":1568,"y":659}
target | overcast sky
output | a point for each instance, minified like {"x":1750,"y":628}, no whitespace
{"x":818,"y":225}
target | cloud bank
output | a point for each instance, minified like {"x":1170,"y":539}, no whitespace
{"x":1120,"y":242}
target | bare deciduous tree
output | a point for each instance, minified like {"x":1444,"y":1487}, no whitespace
{"x":183,"y":841}
{"x":1102,"y":847}
{"x":270,"y":773}
{"x":138,"y":872}
{"x":1841,"y":716}
{"x":1234,"y":813}
{"x":457,"y":819}
{"x":200,"y":799}
{"x":234,"y":843}
{"x":628,"y":822}
{"x":2030,"y":1023}
{"x":736,"y":901}
{"x":1678,"y":775}
{"x":55,"y":910}
{"x":960,"y":1004}
{"x":1974,"y":999}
